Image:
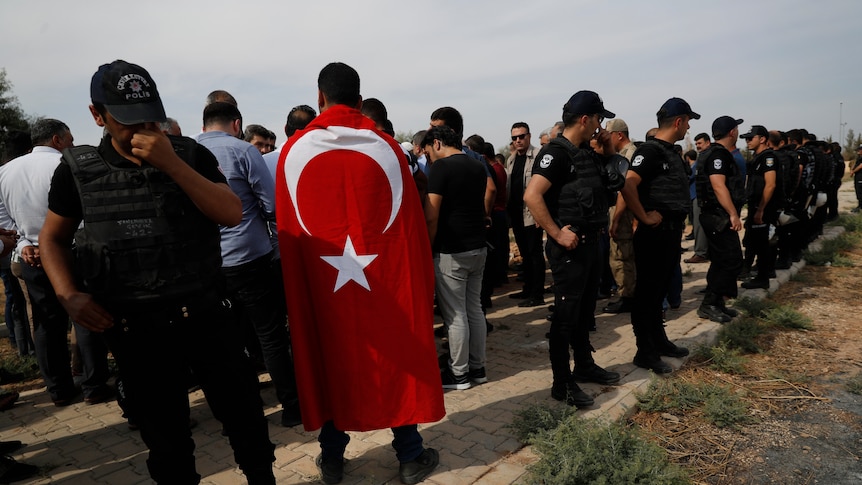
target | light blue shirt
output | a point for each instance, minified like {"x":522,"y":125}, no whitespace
{"x":250,"y":179}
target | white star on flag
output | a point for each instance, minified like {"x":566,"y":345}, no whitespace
{"x":350,"y":266}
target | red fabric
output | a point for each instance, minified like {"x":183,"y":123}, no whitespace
{"x":365,"y":358}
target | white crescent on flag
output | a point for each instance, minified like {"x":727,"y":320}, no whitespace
{"x":362,"y":141}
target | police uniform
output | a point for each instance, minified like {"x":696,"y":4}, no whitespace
{"x":757,"y":235}
{"x":724,"y":249}
{"x":578,"y":197}
{"x":151,"y":258}
{"x":663,"y":188}
{"x":857,"y":183}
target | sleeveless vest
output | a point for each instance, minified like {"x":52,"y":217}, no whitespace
{"x":143,"y":240}
{"x":583,"y":200}
{"x":668,"y":192}
{"x":705,"y":195}
{"x":788,"y":165}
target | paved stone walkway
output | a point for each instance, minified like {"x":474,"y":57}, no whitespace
{"x":83,"y":444}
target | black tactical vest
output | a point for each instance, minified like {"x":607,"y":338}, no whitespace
{"x":668,"y":192}
{"x":143,"y":240}
{"x":583,"y":200}
{"x":788,"y":165}
{"x":756,"y":183}
{"x":735,"y":184}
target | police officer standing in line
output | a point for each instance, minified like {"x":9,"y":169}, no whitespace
{"x":656,"y":191}
{"x":857,"y":179}
{"x":721,"y":192}
{"x":568,"y":197}
{"x":148,"y":274}
{"x":764,"y":202}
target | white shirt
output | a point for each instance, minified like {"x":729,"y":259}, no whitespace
{"x":24,"y":185}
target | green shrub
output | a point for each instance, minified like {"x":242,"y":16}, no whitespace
{"x":740,"y":334}
{"x":724,"y":408}
{"x":581,"y":451}
{"x":723,"y":359}
{"x":784,"y":316}
{"x":536,"y":418}
{"x":753,"y":307}
{"x":854,"y":384}
{"x":670,"y":395}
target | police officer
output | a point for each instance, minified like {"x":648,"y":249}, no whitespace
{"x":764,"y":201}
{"x":721,"y":193}
{"x":857,"y":179}
{"x":148,"y":273}
{"x":568,"y":196}
{"x":656,"y":191}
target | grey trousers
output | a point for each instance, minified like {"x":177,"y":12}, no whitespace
{"x":459,"y":282}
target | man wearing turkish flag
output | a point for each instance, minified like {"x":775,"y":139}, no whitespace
{"x":358,"y":281}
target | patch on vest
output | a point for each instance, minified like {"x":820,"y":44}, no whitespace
{"x":637,"y":161}
{"x":717,"y":164}
{"x":546,"y":160}
{"x":770,"y":162}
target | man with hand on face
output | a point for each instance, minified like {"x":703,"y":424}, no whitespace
{"x":146,"y":275}
{"x":568,"y":196}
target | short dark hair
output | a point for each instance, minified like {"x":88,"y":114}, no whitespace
{"x":418,"y":137}
{"x":488,"y":151}
{"x":445,"y":134}
{"x":42,"y":131}
{"x":256,"y":130}
{"x":795,"y":136}
{"x":339,"y":83}
{"x":702,"y":136}
{"x":451,"y":118}
{"x":777,"y":137}
{"x":376,"y":110}
{"x":298,"y":118}
{"x":475,"y":143}
{"x":219,"y":113}
{"x":691,"y":155}
{"x":521,"y":124}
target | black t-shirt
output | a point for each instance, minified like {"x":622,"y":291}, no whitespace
{"x":460,"y":180}
{"x":516,"y":186}
{"x":553,"y":163}
{"x":64,"y":200}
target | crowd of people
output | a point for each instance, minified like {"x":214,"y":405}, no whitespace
{"x":321,"y":259}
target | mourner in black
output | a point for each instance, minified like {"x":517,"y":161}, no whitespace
{"x":764,"y":202}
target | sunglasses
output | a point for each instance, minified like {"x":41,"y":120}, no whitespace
{"x":519,"y":137}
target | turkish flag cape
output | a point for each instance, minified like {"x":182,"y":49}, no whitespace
{"x":358,"y":277}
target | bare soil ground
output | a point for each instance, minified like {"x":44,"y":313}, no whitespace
{"x":806,"y":426}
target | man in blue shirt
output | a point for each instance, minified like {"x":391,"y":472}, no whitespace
{"x":247,"y":251}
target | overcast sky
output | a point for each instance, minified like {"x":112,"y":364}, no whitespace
{"x":780,"y":63}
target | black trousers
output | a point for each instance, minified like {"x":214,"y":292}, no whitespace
{"x":258,"y":301}
{"x":576,"y":278}
{"x":756,"y":242}
{"x":657,"y":254}
{"x":725,"y":255}
{"x":529,"y":241}
{"x":154,"y":350}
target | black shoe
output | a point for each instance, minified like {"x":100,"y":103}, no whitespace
{"x":783,"y":264}
{"x":290,"y":415}
{"x":99,"y":395}
{"x":440,"y":332}
{"x":417,"y":470}
{"x":712,"y":312}
{"x":488,"y":327}
{"x":477,"y":376}
{"x":623,"y":305}
{"x":671,"y":350}
{"x":331,"y":470}
{"x":7,"y":401}
{"x":654,"y":364}
{"x":755,"y":283}
{"x":744,"y":275}
{"x":596,"y":374}
{"x":701,"y":291}
{"x":572,"y":395}
{"x":730,"y":312}
{"x":451,"y":381}
{"x":531,"y":302}
{"x":7,"y":447}
{"x":15,"y":471}
{"x":519,"y":295}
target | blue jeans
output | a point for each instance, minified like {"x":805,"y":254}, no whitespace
{"x":407,"y":442}
{"x":459,"y":283}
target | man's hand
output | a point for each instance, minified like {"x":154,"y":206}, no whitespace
{"x":652,"y":218}
{"x":84,"y":311}
{"x":30,"y":255}
{"x":152,"y":145}
{"x":735,"y":222}
{"x":567,"y":238}
{"x":758,"y":217}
